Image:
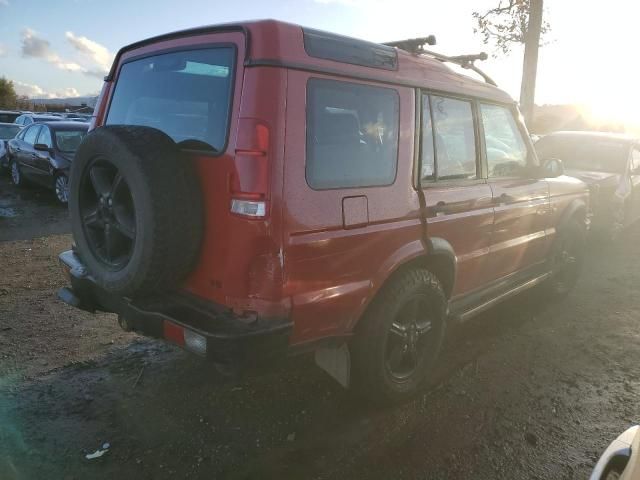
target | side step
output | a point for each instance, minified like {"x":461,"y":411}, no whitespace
{"x":477,"y":309}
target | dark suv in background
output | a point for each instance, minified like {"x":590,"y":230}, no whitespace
{"x":305,"y":191}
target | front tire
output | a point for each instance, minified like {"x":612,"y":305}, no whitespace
{"x":399,"y":339}
{"x":61,"y":188}
{"x":16,"y":174}
{"x":567,"y":259}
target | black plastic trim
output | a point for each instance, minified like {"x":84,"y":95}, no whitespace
{"x":339,"y":48}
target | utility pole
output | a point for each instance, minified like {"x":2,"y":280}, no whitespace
{"x":530,"y":67}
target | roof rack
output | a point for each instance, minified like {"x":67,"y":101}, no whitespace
{"x":415,"y":46}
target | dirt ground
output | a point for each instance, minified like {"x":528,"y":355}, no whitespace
{"x":527,"y":390}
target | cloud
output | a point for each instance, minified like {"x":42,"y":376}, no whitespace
{"x":98,"y":54}
{"x":36,"y":47}
{"x":36,"y":91}
{"x":4,"y":51}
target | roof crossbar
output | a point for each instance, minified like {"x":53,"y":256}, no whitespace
{"x":415,"y":46}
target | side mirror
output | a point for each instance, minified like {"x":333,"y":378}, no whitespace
{"x":41,"y":147}
{"x":552,"y":168}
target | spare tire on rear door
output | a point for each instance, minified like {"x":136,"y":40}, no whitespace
{"x":136,"y":210}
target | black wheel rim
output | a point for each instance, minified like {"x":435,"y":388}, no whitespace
{"x":108,"y":214}
{"x":408,"y":338}
{"x":62,"y":188}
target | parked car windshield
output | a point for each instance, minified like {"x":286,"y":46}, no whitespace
{"x":185,"y":94}
{"x":7,"y":132}
{"x":583,"y":153}
{"x":68,"y":141}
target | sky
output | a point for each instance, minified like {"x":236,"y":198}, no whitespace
{"x":59,"y":48}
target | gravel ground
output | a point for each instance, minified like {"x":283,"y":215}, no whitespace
{"x":527,"y":390}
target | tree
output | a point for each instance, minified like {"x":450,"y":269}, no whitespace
{"x":512,"y":22}
{"x":8,"y":94}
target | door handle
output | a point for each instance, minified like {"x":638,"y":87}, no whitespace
{"x":504,"y":198}
{"x":439,"y":208}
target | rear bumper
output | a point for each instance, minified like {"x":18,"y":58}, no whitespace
{"x":198,"y":326}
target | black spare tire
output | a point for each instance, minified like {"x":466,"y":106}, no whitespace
{"x":136,"y":210}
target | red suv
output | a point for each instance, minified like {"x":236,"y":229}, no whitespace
{"x":258,"y":189}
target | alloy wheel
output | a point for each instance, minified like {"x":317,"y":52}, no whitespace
{"x":408,"y":338}
{"x":108,"y":214}
{"x":62,"y":188}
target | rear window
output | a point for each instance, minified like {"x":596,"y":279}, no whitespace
{"x":8,"y":131}
{"x":352,"y":135}
{"x":7,"y":117}
{"x":185,"y":94}
{"x":68,"y":141}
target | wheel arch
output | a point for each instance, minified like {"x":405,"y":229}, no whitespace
{"x":577,"y":208}
{"x":438,"y":257}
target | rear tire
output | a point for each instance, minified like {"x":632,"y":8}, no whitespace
{"x":394,"y":350}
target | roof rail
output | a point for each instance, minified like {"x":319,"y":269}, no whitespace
{"x":415,"y":46}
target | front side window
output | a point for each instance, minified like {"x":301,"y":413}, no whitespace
{"x":506,"y":150}
{"x":31,"y":134}
{"x":352,"y":135}
{"x":185,"y":94}
{"x":454,"y":139}
{"x":45,"y":137}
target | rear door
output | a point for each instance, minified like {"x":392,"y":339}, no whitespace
{"x":27,"y":154}
{"x":350,"y":204}
{"x":459,"y":208}
{"x":519,"y":238}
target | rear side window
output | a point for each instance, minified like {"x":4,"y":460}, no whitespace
{"x":185,"y":94}
{"x":352,"y":135}
{"x":454,"y":140}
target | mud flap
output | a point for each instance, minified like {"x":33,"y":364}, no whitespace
{"x":336,"y":361}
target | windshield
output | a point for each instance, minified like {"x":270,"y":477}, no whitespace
{"x":593,"y":154}
{"x":185,"y":94}
{"x":8,"y":131}
{"x":68,"y":141}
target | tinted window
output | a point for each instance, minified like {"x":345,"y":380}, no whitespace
{"x":8,"y":131}
{"x":68,"y":141}
{"x":45,"y":137}
{"x":352,"y":134}
{"x":581,"y":152}
{"x":506,"y":150}
{"x":31,"y":134}
{"x":19,"y":120}
{"x":186,"y":94}
{"x":455,"y":143}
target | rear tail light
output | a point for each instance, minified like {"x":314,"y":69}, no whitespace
{"x":250,"y":179}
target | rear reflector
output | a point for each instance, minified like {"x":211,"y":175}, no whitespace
{"x":174,"y":333}
{"x":248,"y":208}
{"x":186,"y":338}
